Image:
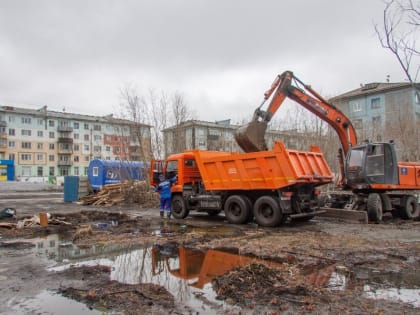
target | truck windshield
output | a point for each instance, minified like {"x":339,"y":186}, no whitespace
{"x":171,"y":169}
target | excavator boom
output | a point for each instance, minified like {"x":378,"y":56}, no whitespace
{"x":250,"y":137}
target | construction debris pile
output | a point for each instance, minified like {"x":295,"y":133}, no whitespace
{"x":128,"y":192}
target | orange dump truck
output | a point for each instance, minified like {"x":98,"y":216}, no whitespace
{"x":270,"y":186}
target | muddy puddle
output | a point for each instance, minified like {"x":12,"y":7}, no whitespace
{"x":187,"y":272}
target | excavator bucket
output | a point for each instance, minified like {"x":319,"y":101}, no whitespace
{"x":250,"y":137}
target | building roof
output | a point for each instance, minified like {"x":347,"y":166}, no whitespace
{"x":43,"y":112}
{"x":217,"y":124}
{"x":374,"y":88}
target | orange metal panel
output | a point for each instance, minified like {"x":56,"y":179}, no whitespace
{"x":273,"y":169}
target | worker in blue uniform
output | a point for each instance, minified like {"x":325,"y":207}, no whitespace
{"x":164,"y":188}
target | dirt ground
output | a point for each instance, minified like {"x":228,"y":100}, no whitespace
{"x":317,"y":267}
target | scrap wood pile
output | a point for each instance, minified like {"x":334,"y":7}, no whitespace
{"x":258,"y":282}
{"x":128,"y":192}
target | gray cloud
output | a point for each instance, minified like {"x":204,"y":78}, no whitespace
{"x":221,"y":55}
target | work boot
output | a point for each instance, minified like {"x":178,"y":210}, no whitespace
{"x":168,"y":215}
{"x":161,"y":214}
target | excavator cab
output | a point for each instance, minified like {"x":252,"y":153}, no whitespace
{"x":371,"y":163}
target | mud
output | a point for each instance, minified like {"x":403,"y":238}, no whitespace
{"x":127,"y":260}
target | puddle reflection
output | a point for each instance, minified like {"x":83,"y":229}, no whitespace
{"x":187,"y":272}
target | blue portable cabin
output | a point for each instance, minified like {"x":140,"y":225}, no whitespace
{"x":105,"y":172}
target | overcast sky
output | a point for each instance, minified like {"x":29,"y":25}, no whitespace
{"x":221,"y":55}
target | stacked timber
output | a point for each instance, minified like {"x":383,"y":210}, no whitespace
{"x":127,"y":192}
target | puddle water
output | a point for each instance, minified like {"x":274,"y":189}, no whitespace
{"x":48,"y":302}
{"x":187,"y":272}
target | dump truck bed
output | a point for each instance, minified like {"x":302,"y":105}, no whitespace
{"x":273,"y":169}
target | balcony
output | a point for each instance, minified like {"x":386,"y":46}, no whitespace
{"x":65,"y":151}
{"x":65,"y":140}
{"x":64,"y":129}
{"x":65,"y":163}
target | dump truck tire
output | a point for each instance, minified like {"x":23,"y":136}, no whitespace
{"x":249,"y":204}
{"x":267,"y":211}
{"x":410,"y":208}
{"x":374,"y":208}
{"x":236,"y":209}
{"x":178,"y":207}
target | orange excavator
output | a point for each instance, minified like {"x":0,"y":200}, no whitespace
{"x":370,"y":170}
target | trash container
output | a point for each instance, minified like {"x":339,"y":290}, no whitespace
{"x":71,"y":188}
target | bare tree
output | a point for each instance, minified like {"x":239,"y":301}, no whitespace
{"x":399,"y":32}
{"x":181,"y":113}
{"x":136,"y":110}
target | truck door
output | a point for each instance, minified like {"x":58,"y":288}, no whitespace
{"x":156,"y":169}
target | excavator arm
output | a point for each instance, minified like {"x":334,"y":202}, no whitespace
{"x":250,"y":137}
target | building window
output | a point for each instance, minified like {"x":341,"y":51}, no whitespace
{"x":51,"y":158}
{"x":26,"y":145}
{"x":86,"y":137}
{"x":51,"y":123}
{"x":375,"y":103}
{"x":40,"y":171}
{"x":51,"y":146}
{"x":358,"y":123}
{"x":76,"y":158}
{"x":108,"y":148}
{"x":40,"y":146}
{"x":26,"y":120}
{"x":40,"y":121}
{"x":86,"y":126}
{"x":26,"y":132}
{"x":86,"y":147}
{"x":97,"y":137}
{"x":356,"y":107}
{"x":86,"y":158}
{"x":76,"y":136}
{"x":52,"y":171}
{"x":76,"y":147}
{"x":97,"y":127}
{"x":40,"y":133}
{"x":51,"y":135}
{"x":26,"y":157}
{"x":376,"y":120}
{"x":76,"y":170}
{"x":11,"y":132}
{"x":12,"y":156}
{"x":76,"y":125}
{"x":97,"y":148}
{"x":11,"y":144}
{"x":40,"y":157}
{"x":86,"y":171}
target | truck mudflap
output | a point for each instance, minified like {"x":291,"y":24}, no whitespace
{"x":306,"y":214}
{"x":344,"y":214}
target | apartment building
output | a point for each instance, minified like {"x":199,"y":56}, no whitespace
{"x":45,"y":143}
{"x":383,"y":112}
{"x":219,"y":136}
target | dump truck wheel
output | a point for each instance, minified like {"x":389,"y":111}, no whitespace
{"x":236,"y":209}
{"x":410,"y":208}
{"x":249,"y":205}
{"x":267,"y":211}
{"x":374,"y":208}
{"x":178,"y":207}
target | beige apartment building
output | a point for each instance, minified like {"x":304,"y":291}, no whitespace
{"x":45,"y":143}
